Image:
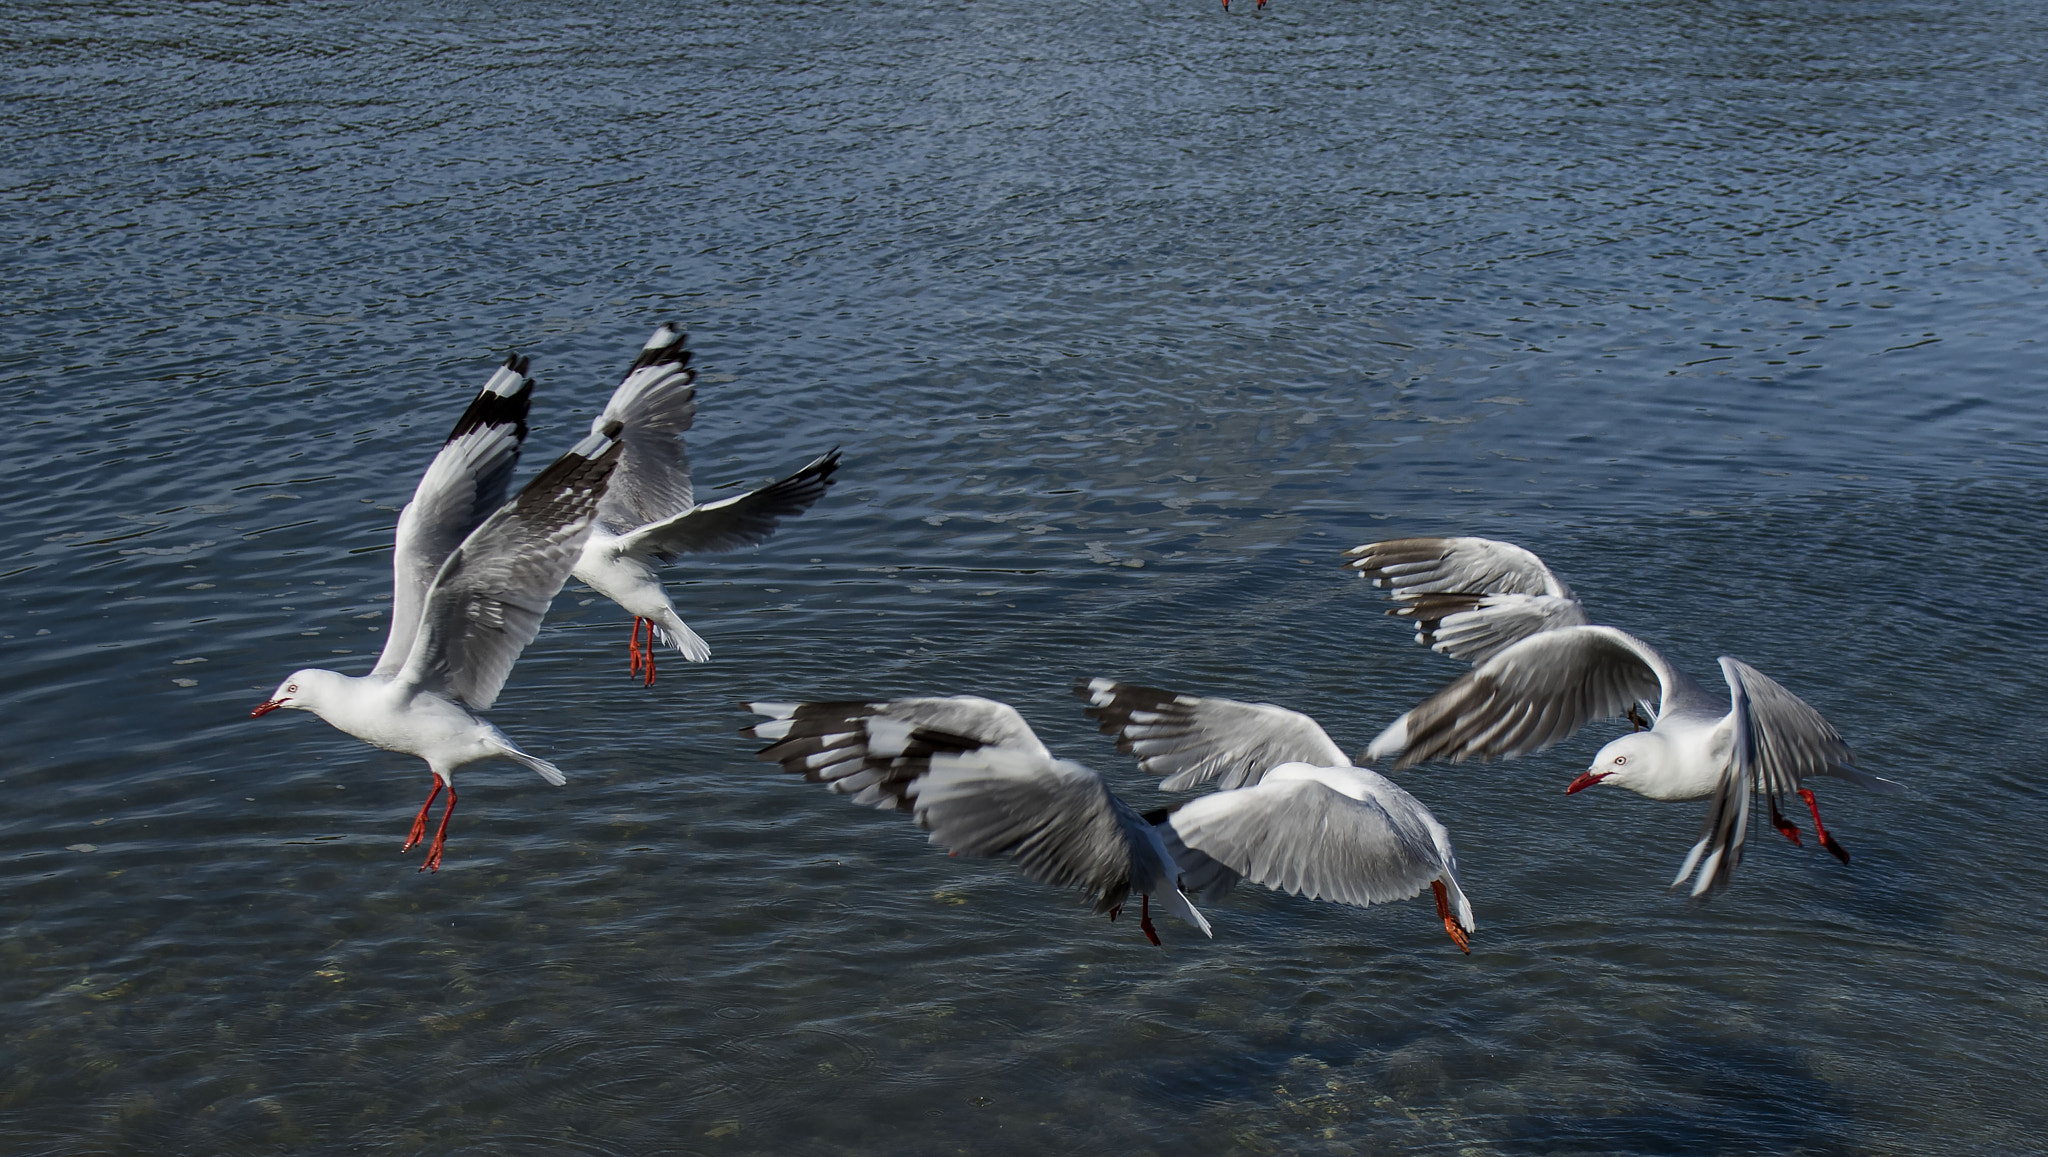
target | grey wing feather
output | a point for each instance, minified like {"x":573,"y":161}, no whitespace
{"x":1413,"y":566}
{"x":1203,"y":878}
{"x":1192,"y":741}
{"x":1531,"y":695}
{"x":1308,"y":839}
{"x":652,"y":407}
{"x":1469,"y":598}
{"x":487,"y":601}
{"x":1776,"y":741}
{"x":464,"y":484}
{"x":731,"y":523}
{"x":875,"y":751}
{"x":1055,"y":819}
{"x":1474,"y":628}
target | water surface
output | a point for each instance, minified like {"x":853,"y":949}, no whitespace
{"x":1129,"y":318}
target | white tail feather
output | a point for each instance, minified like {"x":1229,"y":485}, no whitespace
{"x":678,"y":634}
{"x":1174,"y":902}
{"x":541,"y":767}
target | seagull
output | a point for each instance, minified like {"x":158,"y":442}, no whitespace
{"x":972,"y":773}
{"x":1468,"y":597}
{"x":647,"y":513}
{"x":1536,"y":692}
{"x":1292,"y":813}
{"x":472,"y":576}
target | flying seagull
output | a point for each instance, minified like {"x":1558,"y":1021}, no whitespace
{"x":972,"y":773}
{"x":649,"y":515}
{"x":1293,"y":813}
{"x":1761,"y":740}
{"x":472,"y":576}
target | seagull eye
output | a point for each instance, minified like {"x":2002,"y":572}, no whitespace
{"x":291,"y":688}
{"x":1620,"y":759}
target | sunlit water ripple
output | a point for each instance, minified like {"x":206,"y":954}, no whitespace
{"x":1129,"y":318}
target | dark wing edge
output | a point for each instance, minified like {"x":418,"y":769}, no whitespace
{"x":1528,"y":697}
{"x":1777,"y":740}
{"x":467,"y":481}
{"x":729,"y":524}
{"x":1191,"y":741}
{"x":487,"y":601}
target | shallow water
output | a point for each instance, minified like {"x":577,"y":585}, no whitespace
{"x":1129,"y":319}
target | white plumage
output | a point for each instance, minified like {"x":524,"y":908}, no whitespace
{"x":472,"y":577}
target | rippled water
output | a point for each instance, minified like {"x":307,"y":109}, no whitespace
{"x":1129,"y":319}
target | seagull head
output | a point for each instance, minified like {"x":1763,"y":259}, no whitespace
{"x":295,"y":692}
{"x":1620,"y":763}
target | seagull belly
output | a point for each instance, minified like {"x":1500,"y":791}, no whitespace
{"x":627,"y":582}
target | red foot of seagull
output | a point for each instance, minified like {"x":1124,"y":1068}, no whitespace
{"x":419,"y":828}
{"x":1144,"y":917}
{"x":1826,"y":841}
{"x":1785,"y":827}
{"x":639,"y":656}
{"x":1443,"y":909}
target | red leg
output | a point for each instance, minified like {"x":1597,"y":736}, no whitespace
{"x":1451,"y":925}
{"x":1826,"y":841}
{"x":1145,"y":919}
{"x":647,"y":656}
{"x":433,"y":860}
{"x":1786,"y":827}
{"x":633,"y":648}
{"x":419,"y":822}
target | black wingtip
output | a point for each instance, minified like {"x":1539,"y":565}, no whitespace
{"x":491,"y":408}
{"x":668,"y":346}
{"x":822,"y":468}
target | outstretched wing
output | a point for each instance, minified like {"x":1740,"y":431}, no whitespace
{"x":1468,"y":597}
{"x":874,"y":751}
{"x":1776,"y":740}
{"x":1302,"y":836}
{"x":1530,"y":696}
{"x":731,"y":523}
{"x":486,"y":602}
{"x":465,"y":482}
{"x":652,"y":408}
{"x":1191,"y":741}
{"x":1057,"y":820}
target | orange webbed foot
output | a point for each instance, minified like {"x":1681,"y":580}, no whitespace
{"x":1451,"y":925}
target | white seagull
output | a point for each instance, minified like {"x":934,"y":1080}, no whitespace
{"x":1762,"y":739}
{"x":472,"y":576}
{"x":1294,"y":814}
{"x":648,"y":514}
{"x":1468,"y":597}
{"x":972,"y":772}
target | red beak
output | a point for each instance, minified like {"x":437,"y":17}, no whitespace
{"x":265,"y":708}
{"x":1586,"y":779}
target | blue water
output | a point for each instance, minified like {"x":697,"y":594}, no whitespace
{"x":1129,"y":318}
